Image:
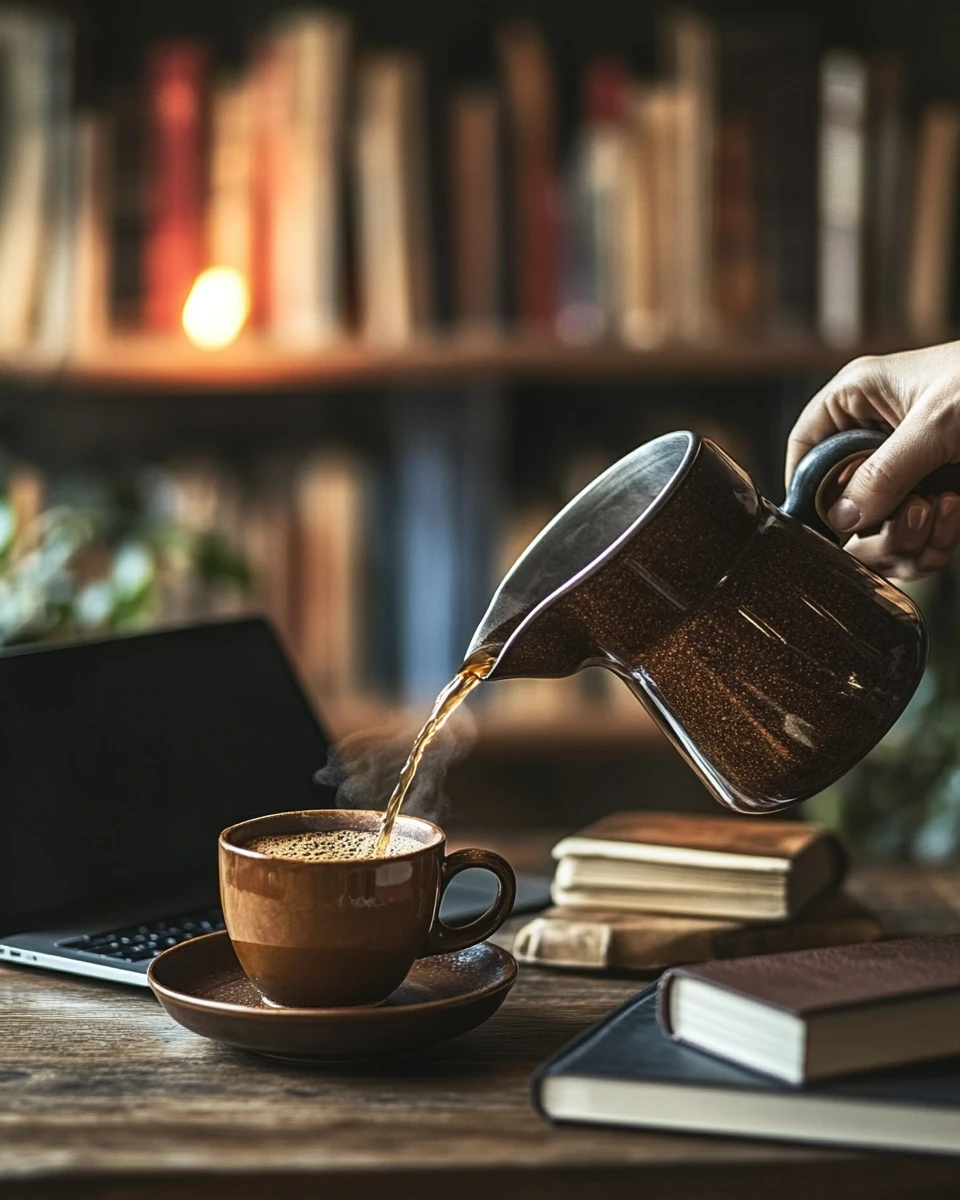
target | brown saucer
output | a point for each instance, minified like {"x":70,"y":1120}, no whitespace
{"x":201,"y":985}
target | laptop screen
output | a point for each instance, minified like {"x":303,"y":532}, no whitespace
{"x":121,"y":760}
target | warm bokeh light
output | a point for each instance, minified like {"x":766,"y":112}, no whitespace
{"x":217,"y":308}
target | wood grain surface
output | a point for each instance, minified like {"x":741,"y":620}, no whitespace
{"x":101,"y":1095}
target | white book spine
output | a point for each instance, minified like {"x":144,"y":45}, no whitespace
{"x":843,"y":87}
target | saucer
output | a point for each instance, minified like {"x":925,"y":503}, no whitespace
{"x":201,"y":985}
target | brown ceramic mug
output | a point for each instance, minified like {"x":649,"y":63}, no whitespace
{"x":333,"y":932}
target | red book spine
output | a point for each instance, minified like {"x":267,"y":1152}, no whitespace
{"x":177,"y":78}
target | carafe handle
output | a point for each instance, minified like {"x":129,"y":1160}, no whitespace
{"x":816,"y":483}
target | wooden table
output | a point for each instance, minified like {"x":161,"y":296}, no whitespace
{"x":101,"y":1095}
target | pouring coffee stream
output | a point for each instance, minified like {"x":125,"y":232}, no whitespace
{"x":772,"y":660}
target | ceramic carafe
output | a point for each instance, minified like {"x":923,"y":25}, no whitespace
{"x":772,"y":659}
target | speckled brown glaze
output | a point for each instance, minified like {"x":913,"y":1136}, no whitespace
{"x":772,"y":659}
{"x":203,"y":987}
{"x":344,"y":932}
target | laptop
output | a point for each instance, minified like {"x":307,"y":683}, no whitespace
{"x":120,"y":763}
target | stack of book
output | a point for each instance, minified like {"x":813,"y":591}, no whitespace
{"x":749,"y":186}
{"x":644,"y":891}
{"x":852,"y":1045}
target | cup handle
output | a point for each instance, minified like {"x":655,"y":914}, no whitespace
{"x":445,"y":938}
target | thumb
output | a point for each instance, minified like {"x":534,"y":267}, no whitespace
{"x":882,"y":481}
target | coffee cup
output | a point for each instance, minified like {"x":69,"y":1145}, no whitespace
{"x":324,"y":931}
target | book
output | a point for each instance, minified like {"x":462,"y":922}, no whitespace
{"x":737,"y":268}
{"x":769,"y":72}
{"x":593,"y":226}
{"x":56,"y":289}
{"x":269,"y":543}
{"x":842,"y":196}
{"x":393,"y":266}
{"x":476,"y":218}
{"x":933,"y":221}
{"x":428,"y":546}
{"x":127,"y":205}
{"x":699,"y":866}
{"x":176,"y":86}
{"x":229,"y":223}
{"x":306,"y":236}
{"x":886,"y":212}
{"x":618,"y":940}
{"x":813,"y":1014}
{"x":93,"y":260}
{"x":690,"y":46}
{"x":35,"y":73}
{"x":331,"y":529}
{"x":639,"y":320}
{"x":661,"y":112}
{"x":626,"y":1071}
{"x":531,"y":118}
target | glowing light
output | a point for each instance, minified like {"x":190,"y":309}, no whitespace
{"x":217,"y":308}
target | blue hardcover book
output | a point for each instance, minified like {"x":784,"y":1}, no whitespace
{"x":626,"y":1071}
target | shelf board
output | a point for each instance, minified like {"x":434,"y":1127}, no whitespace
{"x":145,"y":364}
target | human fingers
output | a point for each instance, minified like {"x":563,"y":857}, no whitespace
{"x":944,"y":535}
{"x":900,"y":540}
{"x":854,"y":398}
{"x":882,"y":481}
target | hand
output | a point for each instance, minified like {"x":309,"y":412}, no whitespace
{"x":915,"y":394}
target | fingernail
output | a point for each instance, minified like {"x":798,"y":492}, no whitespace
{"x":947,"y":505}
{"x":916,"y":515}
{"x":844,"y":515}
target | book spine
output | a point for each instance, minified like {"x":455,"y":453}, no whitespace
{"x":691,"y":51}
{"x":886,"y":192}
{"x":474,"y":189}
{"x":393,"y":267}
{"x":428,"y":560}
{"x":127,"y":212}
{"x":176,"y":76}
{"x":35,"y":56}
{"x":664,"y":990}
{"x":331,"y":522}
{"x":843,"y":90}
{"x":306,"y":231}
{"x":933,"y":214}
{"x":56,"y":308}
{"x":530,"y":105}
{"x":230,"y":210}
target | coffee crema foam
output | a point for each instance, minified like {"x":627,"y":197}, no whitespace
{"x":330,"y":845}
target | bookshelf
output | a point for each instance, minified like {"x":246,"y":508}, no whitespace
{"x":148,"y":364}
{"x":624,"y":185}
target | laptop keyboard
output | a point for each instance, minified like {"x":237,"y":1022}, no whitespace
{"x":138,"y":943}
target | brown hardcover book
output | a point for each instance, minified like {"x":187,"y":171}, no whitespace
{"x":612,"y":940}
{"x":331,"y":495}
{"x":934,"y":211}
{"x":738,"y":282}
{"x":475,"y":187}
{"x":811,"y":1014}
{"x":697,"y":866}
{"x":530,"y":103}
